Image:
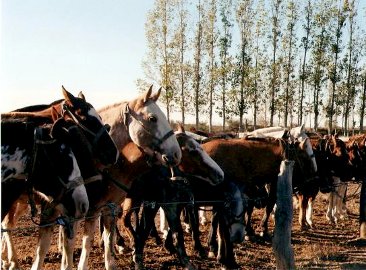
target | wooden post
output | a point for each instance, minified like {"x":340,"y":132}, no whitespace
{"x":363,"y":210}
{"x":281,"y":242}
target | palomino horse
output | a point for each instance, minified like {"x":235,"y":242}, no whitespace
{"x":142,"y":122}
{"x":172,"y":193}
{"x":89,"y":140}
{"x":36,"y":159}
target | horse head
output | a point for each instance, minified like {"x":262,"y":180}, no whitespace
{"x":195,"y":161}
{"x":82,"y":113}
{"x":299,"y":134}
{"x":149,"y":129}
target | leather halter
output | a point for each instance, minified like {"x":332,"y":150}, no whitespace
{"x":156,"y":147}
{"x":104,"y":128}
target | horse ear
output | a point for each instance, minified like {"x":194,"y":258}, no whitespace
{"x":69,"y":98}
{"x":148,"y":94}
{"x":81,"y":95}
{"x":180,"y":128}
{"x":156,"y":95}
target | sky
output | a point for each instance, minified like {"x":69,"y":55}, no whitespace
{"x":92,"y":46}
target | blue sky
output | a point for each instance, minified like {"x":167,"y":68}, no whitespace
{"x":90,"y":45}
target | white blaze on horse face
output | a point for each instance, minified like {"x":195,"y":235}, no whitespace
{"x":159,"y":127}
{"x":15,"y":163}
{"x":79,"y":194}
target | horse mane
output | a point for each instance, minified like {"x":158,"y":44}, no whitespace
{"x":39,"y":107}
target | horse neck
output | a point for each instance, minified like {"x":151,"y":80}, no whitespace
{"x":113,"y":115}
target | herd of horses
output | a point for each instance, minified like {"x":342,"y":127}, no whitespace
{"x":124,"y":161}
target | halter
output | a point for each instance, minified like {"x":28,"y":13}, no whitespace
{"x":127,"y":112}
{"x":104,"y":128}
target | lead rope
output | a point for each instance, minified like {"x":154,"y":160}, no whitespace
{"x":31,"y":200}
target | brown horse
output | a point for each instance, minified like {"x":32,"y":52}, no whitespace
{"x":253,"y":163}
{"x":173,"y":194}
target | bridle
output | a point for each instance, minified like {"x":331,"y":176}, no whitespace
{"x":96,"y":136}
{"x":127,"y":112}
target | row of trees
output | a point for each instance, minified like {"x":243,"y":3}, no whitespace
{"x":272,"y":62}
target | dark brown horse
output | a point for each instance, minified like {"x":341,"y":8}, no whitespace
{"x":253,"y":163}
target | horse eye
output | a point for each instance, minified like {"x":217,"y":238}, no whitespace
{"x":152,"y":119}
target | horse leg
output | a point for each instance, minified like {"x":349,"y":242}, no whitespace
{"x":302,"y":209}
{"x":163,"y":224}
{"x":192,"y":212}
{"x":143,"y":230}
{"x":43,"y":245}
{"x":109,"y":226}
{"x":154,"y":233}
{"x":268,"y":210}
{"x":212,"y":241}
{"x":87,"y":242}
{"x":248,"y":225}
{"x":9,"y":222}
{"x":225,"y":253}
{"x":68,"y":245}
{"x":309,"y":211}
{"x":172,"y":213}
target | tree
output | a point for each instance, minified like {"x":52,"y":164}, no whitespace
{"x":159,"y":36}
{"x":333,"y":68}
{"x":225,"y":61}
{"x":276,"y":13}
{"x":197,"y":61}
{"x":306,"y":44}
{"x":244,"y":16}
{"x":289,"y":39}
{"x":210,"y":35}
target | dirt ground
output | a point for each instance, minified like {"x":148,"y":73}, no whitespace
{"x":324,"y":247}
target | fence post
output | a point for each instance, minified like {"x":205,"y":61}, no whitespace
{"x":363,"y":210}
{"x":281,"y":242}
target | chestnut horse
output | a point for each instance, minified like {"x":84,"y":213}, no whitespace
{"x":172,"y":193}
{"x":253,"y":163}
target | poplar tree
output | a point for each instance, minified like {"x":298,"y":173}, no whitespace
{"x":211,"y":36}
{"x":225,"y":61}
{"x":275,"y":19}
{"x":159,"y":35}
{"x":289,"y":40}
{"x":244,"y":17}
{"x":305,"y":41}
{"x":197,"y":73}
